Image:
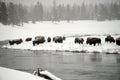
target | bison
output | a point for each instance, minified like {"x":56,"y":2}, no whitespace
{"x":48,"y":39}
{"x":58,"y":39}
{"x":109,"y":39}
{"x":93,"y":41}
{"x":16,"y":41}
{"x":39,"y":37}
{"x":28,"y":39}
{"x":118,"y":41}
{"x":11,"y":42}
{"x":39,"y":40}
{"x":64,"y":37}
{"x":79,"y":40}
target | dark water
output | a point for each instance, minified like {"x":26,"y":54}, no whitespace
{"x":66,"y":65}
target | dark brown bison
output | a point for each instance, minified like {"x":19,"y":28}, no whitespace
{"x":79,"y":40}
{"x":64,"y":37}
{"x":58,"y":39}
{"x":93,"y":41}
{"x":39,"y":40}
{"x":109,"y":39}
{"x":28,"y":39}
{"x":11,"y":42}
{"x":118,"y":41}
{"x":48,"y":39}
{"x":53,"y":38}
{"x":16,"y":41}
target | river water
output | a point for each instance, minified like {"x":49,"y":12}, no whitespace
{"x":66,"y":65}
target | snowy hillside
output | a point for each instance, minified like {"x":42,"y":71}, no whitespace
{"x":70,"y":30}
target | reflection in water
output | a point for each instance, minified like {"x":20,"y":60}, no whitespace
{"x":66,"y":65}
{"x":118,"y":59}
{"x":95,"y":57}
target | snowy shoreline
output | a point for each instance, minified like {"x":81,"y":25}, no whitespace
{"x":69,"y":46}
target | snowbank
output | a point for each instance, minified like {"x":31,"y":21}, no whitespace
{"x":53,"y":77}
{"x":9,"y":74}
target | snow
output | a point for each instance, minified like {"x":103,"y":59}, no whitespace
{"x":48,"y":28}
{"x":69,"y":45}
{"x":9,"y":74}
{"x":53,"y":77}
{"x":70,"y":30}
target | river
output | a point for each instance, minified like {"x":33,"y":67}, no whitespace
{"x":66,"y":65}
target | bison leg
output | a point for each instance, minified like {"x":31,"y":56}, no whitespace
{"x":38,"y":43}
{"x":33,"y":43}
{"x":75,"y":42}
{"x":81,"y":42}
{"x":94,"y":44}
{"x":55,"y":41}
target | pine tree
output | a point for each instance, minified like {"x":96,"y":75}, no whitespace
{"x":22,"y":14}
{"x":103,"y":13}
{"x":60,"y":12}
{"x":3,"y":13}
{"x":68,"y":13}
{"x":12,"y":14}
{"x":41,"y":12}
{"x":0,"y":11}
{"x":95,"y":12}
{"x":115,"y":13}
{"x":84,"y":15}
{"x":55,"y":12}
{"x":37,"y":12}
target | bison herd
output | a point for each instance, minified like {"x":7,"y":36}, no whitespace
{"x":59,"y":39}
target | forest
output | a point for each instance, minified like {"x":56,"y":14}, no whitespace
{"x":17,"y":14}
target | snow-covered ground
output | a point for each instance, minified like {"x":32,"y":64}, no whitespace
{"x":9,"y":74}
{"x":70,"y":30}
{"x":63,"y":28}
